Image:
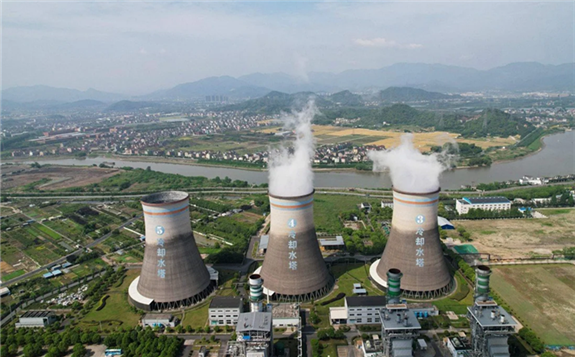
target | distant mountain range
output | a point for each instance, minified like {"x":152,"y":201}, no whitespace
{"x":64,"y":95}
{"x":514,"y":77}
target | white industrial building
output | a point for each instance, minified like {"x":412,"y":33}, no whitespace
{"x":159,"y":320}
{"x":254,"y":336}
{"x":497,"y":203}
{"x":36,"y":319}
{"x":224,"y":310}
{"x":358,"y":310}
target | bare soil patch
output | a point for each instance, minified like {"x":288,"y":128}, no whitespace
{"x":59,"y":176}
{"x":520,"y":238}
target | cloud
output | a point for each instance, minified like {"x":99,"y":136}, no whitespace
{"x":382,"y":42}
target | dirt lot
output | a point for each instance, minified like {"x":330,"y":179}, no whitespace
{"x":60,"y":176}
{"x":542,"y":297}
{"x":514,"y":238}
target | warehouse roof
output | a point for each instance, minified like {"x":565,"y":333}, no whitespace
{"x":486,"y":200}
{"x":168,"y":317}
{"x":254,"y":321}
{"x":223,"y":302}
{"x":356,"y":301}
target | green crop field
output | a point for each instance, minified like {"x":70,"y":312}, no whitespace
{"x":541,"y":296}
{"x":13,"y":274}
{"x":117,"y":310}
{"x":47,"y":231}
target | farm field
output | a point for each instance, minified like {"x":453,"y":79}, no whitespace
{"x":327,"y":134}
{"x":517,"y":238}
{"x":54,"y":177}
{"x":541,"y":296}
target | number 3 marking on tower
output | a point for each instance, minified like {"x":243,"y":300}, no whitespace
{"x":419,"y":219}
{"x":292,"y":223}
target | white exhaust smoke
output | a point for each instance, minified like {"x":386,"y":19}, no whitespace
{"x":290,"y":171}
{"x":410,"y":170}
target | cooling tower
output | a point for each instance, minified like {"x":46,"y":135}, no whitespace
{"x":414,"y":247}
{"x":293,"y":268}
{"x":173,"y":273}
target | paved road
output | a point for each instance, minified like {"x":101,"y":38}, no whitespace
{"x":61,"y":260}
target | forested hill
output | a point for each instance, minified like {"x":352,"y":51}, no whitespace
{"x":491,"y":122}
{"x":494,"y":122}
{"x":408,"y":94}
{"x":276,"y":102}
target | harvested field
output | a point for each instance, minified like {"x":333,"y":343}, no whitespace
{"x":423,"y":141}
{"x":542,"y":297}
{"x":519,"y":238}
{"x":59,"y":176}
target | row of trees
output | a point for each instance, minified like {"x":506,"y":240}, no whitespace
{"x":144,"y":343}
{"x":49,"y":341}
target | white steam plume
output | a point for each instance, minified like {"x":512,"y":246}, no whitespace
{"x":410,"y":170}
{"x":290,"y":172}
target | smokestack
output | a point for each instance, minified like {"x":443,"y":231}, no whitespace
{"x":256,"y":292}
{"x":293,"y":268}
{"x":414,"y":247}
{"x":393,"y":285}
{"x":482,"y":274}
{"x":173,"y":273}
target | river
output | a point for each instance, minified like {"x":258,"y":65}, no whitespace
{"x":556,"y":158}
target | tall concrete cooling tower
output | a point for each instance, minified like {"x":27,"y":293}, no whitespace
{"x":293,"y":268}
{"x":173,"y":273}
{"x":414,"y":247}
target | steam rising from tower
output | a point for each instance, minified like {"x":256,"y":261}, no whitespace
{"x":293,"y":268}
{"x":173,"y":273}
{"x":290,"y":172}
{"x":410,"y":170}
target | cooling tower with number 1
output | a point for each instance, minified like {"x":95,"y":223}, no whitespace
{"x":293,"y":268}
{"x":173,"y":273}
{"x":414,"y":248}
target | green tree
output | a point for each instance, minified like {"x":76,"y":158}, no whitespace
{"x":79,"y":350}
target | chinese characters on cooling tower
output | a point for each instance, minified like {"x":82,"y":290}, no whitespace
{"x":161,"y":253}
{"x":292,"y":245}
{"x":419,"y":242}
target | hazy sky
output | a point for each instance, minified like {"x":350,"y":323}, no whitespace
{"x":135,"y":47}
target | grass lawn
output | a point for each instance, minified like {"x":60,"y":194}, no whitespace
{"x":197,"y":317}
{"x":329,"y":348}
{"x":452,"y":303}
{"x":541,"y":296}
{"x":117,"y":310}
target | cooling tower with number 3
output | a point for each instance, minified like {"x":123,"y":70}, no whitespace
{"x":173,"y":273}
{"x":293,"y":268}
{"x":414,"y":248}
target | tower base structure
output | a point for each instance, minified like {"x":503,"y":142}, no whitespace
{"x":314,"y":295}
{"x":410,"y":294}
{"x":148,"y":304}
